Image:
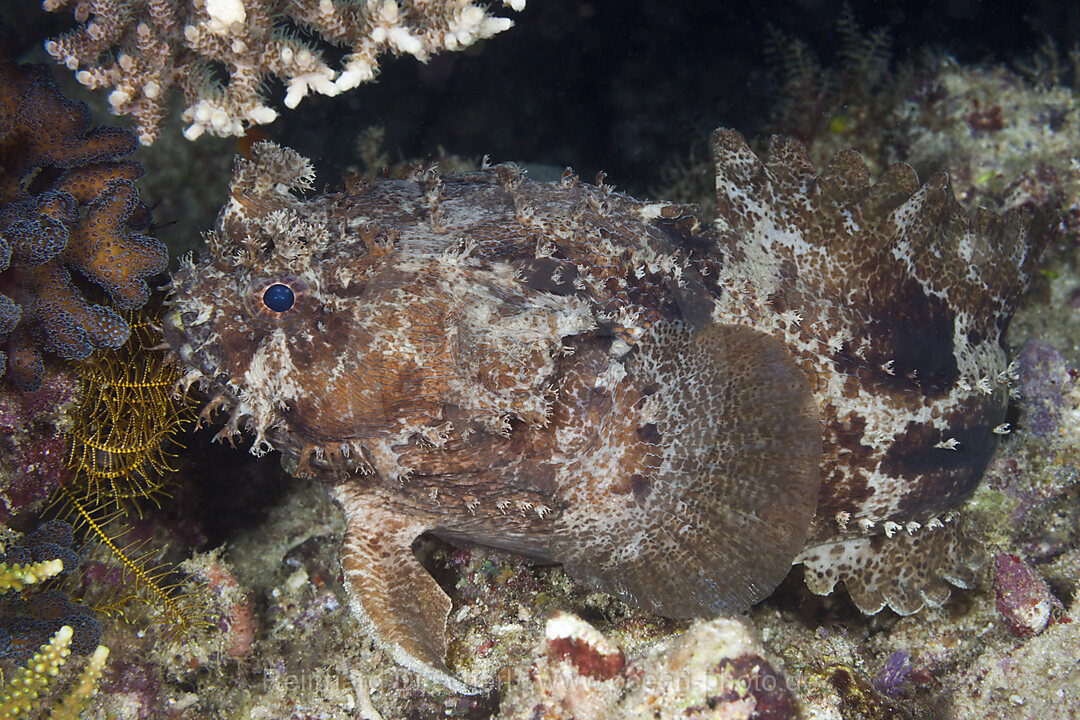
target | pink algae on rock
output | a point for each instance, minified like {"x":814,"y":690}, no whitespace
{"x":714,"y":670}
{"x":592,"y":655}
{"x":1023,"y":598}
{"x":32,"y":451}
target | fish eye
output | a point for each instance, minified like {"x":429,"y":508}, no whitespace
{"x":275,"y":298}
{"x":279,"y":297}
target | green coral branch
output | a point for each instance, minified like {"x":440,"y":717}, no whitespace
{"x":30,"y":682}
{"x":76,"y":701}
{"x":16,"y":577}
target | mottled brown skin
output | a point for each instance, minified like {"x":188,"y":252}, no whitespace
{"x":565,"y":372}
{"x":902,"y":304}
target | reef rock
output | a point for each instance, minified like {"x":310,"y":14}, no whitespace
{"x":715,"y":669}
{"x":674,"y":412}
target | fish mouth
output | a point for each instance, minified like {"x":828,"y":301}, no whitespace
{"x":178,"y":337}
{"x":188,"y":342}
{"x":172,"y":328}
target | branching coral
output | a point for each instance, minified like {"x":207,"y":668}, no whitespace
{"x":24,"y":691}
{"x":15,"y":576}
{"x":66,"y":204}
{"x":28,"y":619}
{"x":142,"y":48}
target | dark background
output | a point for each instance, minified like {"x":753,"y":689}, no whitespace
{"x":618,"y":85}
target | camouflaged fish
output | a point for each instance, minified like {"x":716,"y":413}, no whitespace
{"x":675,"y":412}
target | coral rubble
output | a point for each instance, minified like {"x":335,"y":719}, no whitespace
{"x":67,"y":205}
{"x":143,"y":49}
{"x":1039,"y":678}
{"x":1004,"y":140}
{"x":1022,"y":597}
{"x":716,"y":669}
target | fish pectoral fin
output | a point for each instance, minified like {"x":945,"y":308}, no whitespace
{"x":395,"y":599}
{"x":736,"y":441}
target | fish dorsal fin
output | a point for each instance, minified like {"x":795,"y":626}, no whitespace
{"x":731,"y":433}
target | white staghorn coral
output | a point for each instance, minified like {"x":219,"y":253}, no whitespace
{"x":142,"y":48}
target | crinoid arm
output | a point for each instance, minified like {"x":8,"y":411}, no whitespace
{"x":121,"y":445}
